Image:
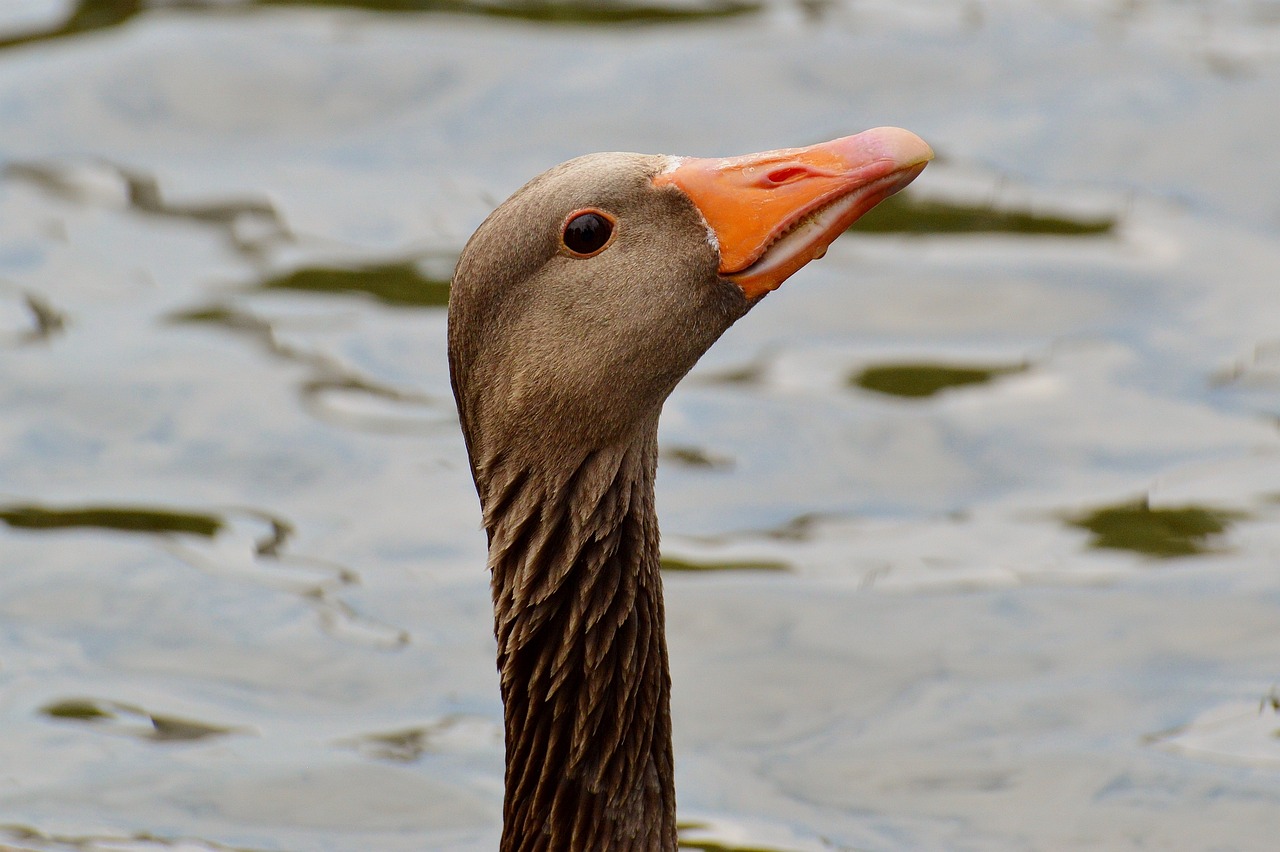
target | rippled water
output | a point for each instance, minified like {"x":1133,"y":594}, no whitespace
{"x":972,"y":530}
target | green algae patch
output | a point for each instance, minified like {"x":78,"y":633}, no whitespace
{"x":1162,"y":533}
{"x":172,"y":729}
{"x":118,"y":518}
{"x":92,"y":15}
{"x":916,"y":381}
{"x":672,"y":564}
{"x":218,"y":315}
{"x":748,"y":374}
{"x":904,"y":213}
{"x":401,"y":285}
{"x":707,"y":844}
{"x":114,"y":717}
{"x":717,"y":846}
{"x":696,"y":457}
{"x":575,"y":12}
{"x":85,"y":16}
{"x":77,"y":709}
{"x":398,"y":746}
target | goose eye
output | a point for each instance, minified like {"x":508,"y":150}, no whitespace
{"x":587,"y":232}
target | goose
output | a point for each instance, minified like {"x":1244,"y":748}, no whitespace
{"x":575,"y":308}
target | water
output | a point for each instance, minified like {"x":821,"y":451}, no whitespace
{"x":978,"y":517}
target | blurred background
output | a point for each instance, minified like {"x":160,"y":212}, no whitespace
{"x":972,"y":530}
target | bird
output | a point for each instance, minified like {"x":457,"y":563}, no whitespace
{"x":575,"y":308}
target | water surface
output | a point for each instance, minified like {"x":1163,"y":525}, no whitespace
{"x":971,"y":528}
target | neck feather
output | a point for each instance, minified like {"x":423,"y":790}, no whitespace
{"x":582,"y":653}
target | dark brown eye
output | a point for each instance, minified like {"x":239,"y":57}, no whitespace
{"x":587,"y":232}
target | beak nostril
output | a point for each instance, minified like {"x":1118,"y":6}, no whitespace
{"x":786,"y":173}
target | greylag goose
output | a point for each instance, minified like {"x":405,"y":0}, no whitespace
{"x":576,"y":307}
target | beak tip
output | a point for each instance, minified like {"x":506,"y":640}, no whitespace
{"x":895,"y":143}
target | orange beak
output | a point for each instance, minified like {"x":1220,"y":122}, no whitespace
{"x":773,"y":212}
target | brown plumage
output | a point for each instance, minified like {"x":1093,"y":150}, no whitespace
{"x":562,"y":349}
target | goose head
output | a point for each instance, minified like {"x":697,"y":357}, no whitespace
{"x":582,"y":300}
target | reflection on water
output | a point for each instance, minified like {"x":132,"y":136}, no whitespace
{"x":452,"y":733}
{"x":1239,"y":733}
{"x":396,"y":284}
{"x":120,"y":518}
{"x":237,"y":320}
{"x":35,"y":839}
{"x":250,"y":226}
{"x":126,"y":719}
{"x":1160,"y":532}
{"x":721,"y":836}
{"x":90,"y":15}
{"x":333,"y":391}
{"x":717,"y":846}
{"x":554,"y":11}
{"x":671,"y":563}
{"x":695,"y":457}
{"x":905,"y":213}
{"x":141,"y":192}
{"x":41,"y":321}
{"x":398,"y":746}
{"x":922,"y":380}
{"x":86,"y":16}
{"x":235,"y":510}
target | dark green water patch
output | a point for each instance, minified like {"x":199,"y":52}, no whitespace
{"x":409,"y":744}
{"x":93,"y":15}
{"x":134,"y":840}
{"x":1162,"y":533}
{"x":695,"y":457}
{"x":400,"y":284}
{"x":77,"y":710}
{"x":578,"y":12}
{"x":46,"y":322}
{"x":86,"y":16}
{"x":398,"y":746}
{"x":717,"y":846}
{"x":904,"y":213}
{"x":709,"y":845}
{"x":171,"y":729}
{"x":670,"y":563}
{"x":219,"y":315}
{"x":404,"y":746}
{"x":920,"y":380}
{"x":799,"y":528}
{"x":750,"y":374}
{"x":131,"y":720}
{"x":118,"y":518}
